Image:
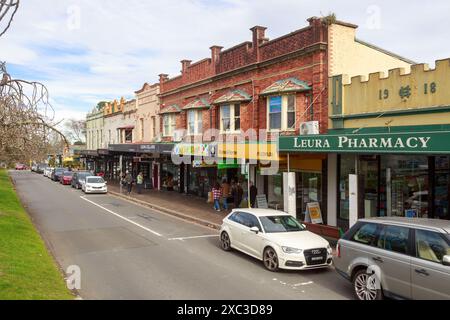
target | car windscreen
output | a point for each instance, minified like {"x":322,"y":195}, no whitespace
{"x":95,"y":180}
{"x":274,"y":224}
{"x":67,"y":173}
{"x":59,"y":170}
{"x":83,"y":175}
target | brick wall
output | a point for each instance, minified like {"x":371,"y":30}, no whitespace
{"x":252,"y":67}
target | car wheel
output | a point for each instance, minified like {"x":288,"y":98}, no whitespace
{"x":225,"y":241}
{"x":270,"y":259}
{"x":365,"y":286}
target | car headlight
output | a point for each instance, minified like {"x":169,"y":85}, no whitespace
{"x":290,"y":250}
{"x":329,"y":249}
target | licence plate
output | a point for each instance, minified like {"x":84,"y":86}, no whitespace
{"x":317,"y":258}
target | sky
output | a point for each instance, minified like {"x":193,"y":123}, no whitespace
{"x":87,"y":51}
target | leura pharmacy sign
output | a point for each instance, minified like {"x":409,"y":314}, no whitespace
{"x":417,"y":142}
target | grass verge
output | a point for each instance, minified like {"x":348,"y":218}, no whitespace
{"x":27,"y":270}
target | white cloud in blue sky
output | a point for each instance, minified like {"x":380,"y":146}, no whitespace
{"x":121,"y":44}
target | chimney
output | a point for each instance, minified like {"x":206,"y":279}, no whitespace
{"x":163,"y":77}
{"x":259,"y":37}
{"x":185,"y":65}
{"x":215,"y":56}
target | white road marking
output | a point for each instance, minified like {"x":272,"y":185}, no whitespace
{"x":123,"y":218}
{"x":195,"y":237}
{"x":303,"y":284}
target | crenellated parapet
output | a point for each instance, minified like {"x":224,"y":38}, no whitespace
{"x":396,"y":92}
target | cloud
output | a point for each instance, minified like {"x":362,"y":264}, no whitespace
{"x":85,"y":51}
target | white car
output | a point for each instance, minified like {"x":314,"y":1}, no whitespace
{"x":276,"y":238}
{"x":48,"y":172}
{"x":94,"y":184}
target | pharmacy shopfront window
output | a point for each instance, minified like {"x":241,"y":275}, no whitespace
{"x":408,"y":191}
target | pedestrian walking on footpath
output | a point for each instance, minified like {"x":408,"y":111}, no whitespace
{"x":239,"y":193}
{"x":217,"y":194}
{"x":129,"y":182}
{"x":139,"y":182}
{"x":253,"y":194}
{"x":225,"y":193}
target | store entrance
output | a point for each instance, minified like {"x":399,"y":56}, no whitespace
{"x":369,"y":187}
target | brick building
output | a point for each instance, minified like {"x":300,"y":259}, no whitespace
{"x":278,"y":85}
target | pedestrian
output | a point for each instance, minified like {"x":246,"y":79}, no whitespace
{"x":253,"y":193}
{"x":139,"y":182}
{"x":225,"y":193}
{"x":239,"y":192}
{"x":217,"y":194}
{"x":170,"y":183}
{"x":129,"y":182}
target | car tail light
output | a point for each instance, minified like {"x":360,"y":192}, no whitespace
{"x":338,"y":250}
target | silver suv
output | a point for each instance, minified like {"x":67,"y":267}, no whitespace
{"x":396,"y":257}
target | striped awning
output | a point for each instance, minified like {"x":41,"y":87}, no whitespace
{"x":233,"y":96}
{"x":286,"y":86}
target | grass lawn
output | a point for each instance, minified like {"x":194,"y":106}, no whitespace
{"x":27,"y":270}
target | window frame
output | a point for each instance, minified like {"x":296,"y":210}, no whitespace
{"x":171,"y":124}
{"x":130,"y":134}
{"x":197,"y":122}
{"x":410,"y":252}
{"x":284,"y":112}
{"x":378,"y":228}
{"x":232,"y":118}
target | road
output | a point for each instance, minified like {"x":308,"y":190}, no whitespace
{"x":126,"y":251}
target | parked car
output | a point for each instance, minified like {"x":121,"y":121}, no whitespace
{"x":40,"y":168}
{"x":21,"y":167}
{"x":56,"y":174}
{"x":94,"y":184}
{"x":66,"y":178}
{"x":33,"y":167}
{"x":48,"y":172}
{"x":397,"y":258}
{"x":79,"y":176}
{"x":276,"y":238}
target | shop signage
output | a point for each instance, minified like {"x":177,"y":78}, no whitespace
{"x":192,"y":149}
{"x":416,"y":142}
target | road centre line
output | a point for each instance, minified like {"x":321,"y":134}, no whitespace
{"x":195,"y":237}
{"x":123,"y":218}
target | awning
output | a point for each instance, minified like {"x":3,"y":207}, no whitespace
{"x":233,"y":96}
{"x":174,"y":108}
{"x":199,"y":103}
{"x":286,"y":86}
{"x":144,"y":148}
{"x":126,"y":127}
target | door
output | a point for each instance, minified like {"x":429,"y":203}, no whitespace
{"x":251,"y":241}
{"x":430,"y":278}
{"x":392,"y":256}
{"x":236,"y":225}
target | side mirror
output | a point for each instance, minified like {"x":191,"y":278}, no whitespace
{"x":106,"y":182}
{"x":254,"y":229}
{"x":446,"y":261}
{"x":304,"y":225}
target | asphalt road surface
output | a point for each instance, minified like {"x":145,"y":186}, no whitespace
{"x":126,"y":251}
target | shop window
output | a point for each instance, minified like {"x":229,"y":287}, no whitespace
{"x":441,"y":187}
{"x":408,"y":192}
{"x":275,"y":191}
{"x":346,"y":168}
